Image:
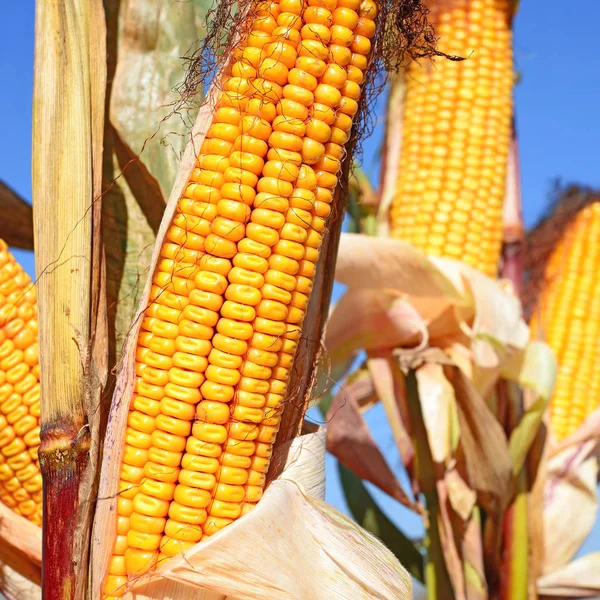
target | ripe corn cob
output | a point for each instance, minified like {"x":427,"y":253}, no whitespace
{"x":20,"y":477}
{"x":568,"y":317}
{"x":230,"y":292}
{"x":455,"y":136}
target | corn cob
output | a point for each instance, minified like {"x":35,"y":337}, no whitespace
{"x":455,"y":136}
{"x":231,"y":289}
{"x":568,"y":317}
{"x":20,"y":477}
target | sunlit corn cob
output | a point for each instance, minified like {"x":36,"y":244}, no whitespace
{"x":455,"y":136}
{"x":230,"y":293}
{"x":20,"y":478}
{"x":568,"y":318}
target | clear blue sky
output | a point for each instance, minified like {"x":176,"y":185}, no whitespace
{"x":557,"y":110}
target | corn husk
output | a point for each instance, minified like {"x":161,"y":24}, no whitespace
{"x":571,"y":477}
{"x":303,"y":548}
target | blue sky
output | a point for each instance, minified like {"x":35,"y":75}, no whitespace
{"x":557,"y":111}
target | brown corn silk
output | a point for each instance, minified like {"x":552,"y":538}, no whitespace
{"x":456,"y":131}
{"x":566,"y":313}
{"x":230,"y":291}
{"x":20,"y":478}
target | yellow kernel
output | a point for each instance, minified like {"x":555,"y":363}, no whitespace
{"x":247,"y":161}
{"x":261,"y":107}
{"x":182,"y":531}
{"x":282,"y":280}
{"x":313,"y":48}
{"x":283,"y":52}
{"x":192,"y":346}
{"x":187,"y":514}
{"x":198,"y":479}
{"x":229,"y":345}
{"x":273,"y":70}
{"x":217,"y":391}
{"x":213,"y":412}
{"x":253,"y":145}
{"x":209,"y":432}
{"x":152,"y":507}
{"x":237,"y":175}
{"x":192,"y":497}
{"x":312,"y":150}
{"x":160,"y":472}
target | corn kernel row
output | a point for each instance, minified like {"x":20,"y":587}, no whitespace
{"x":231,"y":289}
{"x":455,"y":135}
{"x":20,"y":477}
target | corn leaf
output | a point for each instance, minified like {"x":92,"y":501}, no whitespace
{"x":151,"y":42}
{"x":368,"y":515}
{"x":443,"y":569}
{"x":16,"y":226}
{"x":388,"y":382}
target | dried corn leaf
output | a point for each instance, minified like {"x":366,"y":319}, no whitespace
{"x":388,"y":382}
{"x":351,"y":442}
{"x":454,"y":303}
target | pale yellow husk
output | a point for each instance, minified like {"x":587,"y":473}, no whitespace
{"x":571,"y":478}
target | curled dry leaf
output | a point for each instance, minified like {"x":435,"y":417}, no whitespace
{"x":350,"y":441}
{"x":396,"y":294}
{"x":386,"y":321}
{"x":301,"y":548}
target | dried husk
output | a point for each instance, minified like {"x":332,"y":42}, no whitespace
{"x":453,"y":303}
{"x":461,"y":331}
{"x":571,"y":471}
{"x":303,"y":548}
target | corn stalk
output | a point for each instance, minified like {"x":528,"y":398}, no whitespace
{"x":70,"y":72}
